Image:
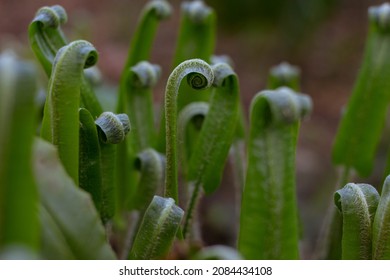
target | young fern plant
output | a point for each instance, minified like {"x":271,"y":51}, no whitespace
{"x":362,"y":123}
{"x":358,"y":204}
{"x":269,"y":218}
{"x":135,"y":98}
{"x":206,"y":164}
{"x":367,"y":107}
{"x":199,"y":76}
{"x":46,"y":38}
{"x":60,"y":124}
{"x":196,"y":39}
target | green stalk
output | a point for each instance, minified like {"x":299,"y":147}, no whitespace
{"x":358,"y":204}
{"x":206,"y":165}
{"x":381,"y":228}
{"x":90,"y":178}
{"x":112,"y":129}
{"x":151,"y":166}
{"x":362,"y":124}
{"x":199,"y":76}
{"x":196,"y":39}
{"x":60,"y":123}
{"x":157,"y":230}
{"x":142,"y":42}
{"x":141,"y":78}
{"x":269,"y":215}
{"x":190,"y":122}
{"x":133,"y":93}
{"x":46,"y":39}
{"x":19,"y":223}
{"x":212,"y":148}
{"x":139,"y":81}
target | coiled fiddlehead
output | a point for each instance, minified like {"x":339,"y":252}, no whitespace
{"x":46,"y":39}
{"x":206,"y":165}
{"x":157,"y":230}
{"x":46,"y":36}
{"x":112,"y":127}
{"x":269,"y":218}
{"x":201,"y":76}
{"x":357,"y":204}
{"x":196,"y":39}
{"x":60,"y":123}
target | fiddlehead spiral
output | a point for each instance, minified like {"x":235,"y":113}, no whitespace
{"x":60,"y":123}
{"x":46,"y":36}
{"x":212,"y":146}
{"x":113,"y":127}
{"x":193,"y":67}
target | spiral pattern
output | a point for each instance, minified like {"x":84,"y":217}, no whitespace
{"x":197,"y":81}
{"x":112,"y":127}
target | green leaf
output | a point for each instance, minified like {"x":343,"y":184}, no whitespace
{"x":190,"y":123}
{"x":212,"y":147}
{"x":60,"y":123}
{"x":74,"y":223}
{"x":381,"y":227}
{"x":357,"y":203}
{"x":362,"y":124}
{"x":46,"y":36}
{"x":46,"y":39}
{"x":157,"y":230}
{"x":151,"y":165}
{"x":18,"y":193}
{"x":90,"y":178}
{"x":112,"y":129}
{"x":142,"y":42}
{"x":269,"y":218}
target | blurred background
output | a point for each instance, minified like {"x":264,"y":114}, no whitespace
{"x":324,"y":38}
